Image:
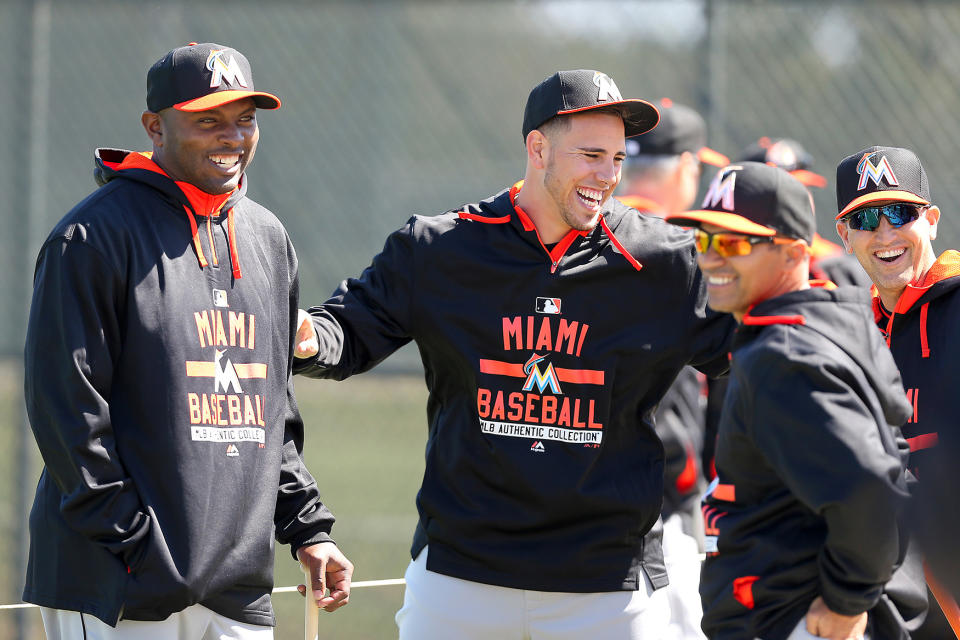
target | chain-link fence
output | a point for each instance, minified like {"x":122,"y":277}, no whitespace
{"x":402,"y":107}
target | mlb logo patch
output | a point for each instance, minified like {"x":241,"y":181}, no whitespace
{"x":548,"y":305}
{"x":220,"y":298}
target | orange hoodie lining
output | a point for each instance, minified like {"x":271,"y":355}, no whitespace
{"x":946,"y":266}
{"x":202,"y":203}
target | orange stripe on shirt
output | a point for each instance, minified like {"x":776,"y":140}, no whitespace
{"x":926,"y":441}
{"x":575,"y":376}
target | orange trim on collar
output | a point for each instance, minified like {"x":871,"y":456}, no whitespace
{"x":564,"y":243}
{"x":946,"y":266}
{"x":203,"y":203}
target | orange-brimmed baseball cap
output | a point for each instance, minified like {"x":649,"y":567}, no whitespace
{"x":756,"y":199}
{"x":878,"y":175}
{"x":204,"y":76}
{"x":579,"y":90}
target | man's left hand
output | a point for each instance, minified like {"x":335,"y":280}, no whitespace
{"x":328,"y":569}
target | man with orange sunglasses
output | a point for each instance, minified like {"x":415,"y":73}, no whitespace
{"x":801,"y":520}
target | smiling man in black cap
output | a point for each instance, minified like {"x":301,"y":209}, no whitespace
{"x":550,"y":319}
{"x":801,"y":520}
{"x":159,"y":388}
{"x":888,"y":220}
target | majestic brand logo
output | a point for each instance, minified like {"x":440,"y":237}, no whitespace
{"x":721,"y":189}
{"x":537,"y":446}
{"x":608,"y":88}
{"x":548,"y":305}
{"x":875,"y":172}
{"x":542,"y":380}
{"x":232,"y":450}
{"x":222,"y":69}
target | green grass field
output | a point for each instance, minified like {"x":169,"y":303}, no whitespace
{"x":365,"y":445}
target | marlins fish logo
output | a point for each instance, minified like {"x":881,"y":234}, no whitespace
{"x":875,"y":172}
{"x":543,"y":380}
{"x":721,"y":189}
{"x":608,"y":88}
{"x":224,"y":69}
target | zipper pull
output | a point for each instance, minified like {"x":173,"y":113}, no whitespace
{"x":553,"y":267}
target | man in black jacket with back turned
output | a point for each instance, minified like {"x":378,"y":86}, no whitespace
{"x":802,"y":518}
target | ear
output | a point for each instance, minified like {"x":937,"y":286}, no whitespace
{"x":932,"y":214}
{"x":797,"y":252}
{"x":153,"y":125}
{"x":538,"y":145}
{"x":842,"y":231}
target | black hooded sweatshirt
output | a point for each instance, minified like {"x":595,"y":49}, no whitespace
{"x":159,"y":388}
{"x":923,"y":336}
{"x":810,"y":474}
{"x":544,"y":367}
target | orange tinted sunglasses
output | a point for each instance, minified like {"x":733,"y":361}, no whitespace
{"x":729,"y":245}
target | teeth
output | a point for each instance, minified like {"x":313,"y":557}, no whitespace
{"x":719,"y":280}
{"x":590,"y":194}
{"x":890,"y":253}
{"x":226,"y":160}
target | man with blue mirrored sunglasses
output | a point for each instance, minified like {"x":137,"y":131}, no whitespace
{"x":887,"y":220}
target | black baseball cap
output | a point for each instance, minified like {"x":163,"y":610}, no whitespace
{"x":579,"y":90}
{"x":680,"y":129}
{"x":880,"y":174}
{"x":756,"y":199}
{"x":789,"y":155}
{"x":198,"y":77}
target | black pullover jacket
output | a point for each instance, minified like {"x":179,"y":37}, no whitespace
{"x":810,"y":474}
{"x":159,"y":388}
{"x":544,"y":368}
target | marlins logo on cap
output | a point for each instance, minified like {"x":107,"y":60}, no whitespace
{"x":755,"y":199}
{"x":199,"y":77}
{"x":578,"y":90}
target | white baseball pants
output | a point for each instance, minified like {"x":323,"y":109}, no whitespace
{"x":439,"y":607}
{"x":196,"y":622}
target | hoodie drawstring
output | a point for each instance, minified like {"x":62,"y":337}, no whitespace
{"x":924,"y":345}
{"x":231,"y":240}
{"x":195,"y":232}
{"x":232,"y":236}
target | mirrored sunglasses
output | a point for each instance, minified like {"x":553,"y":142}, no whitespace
{"x":897,"y":214}
{"x":732,"y":244}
